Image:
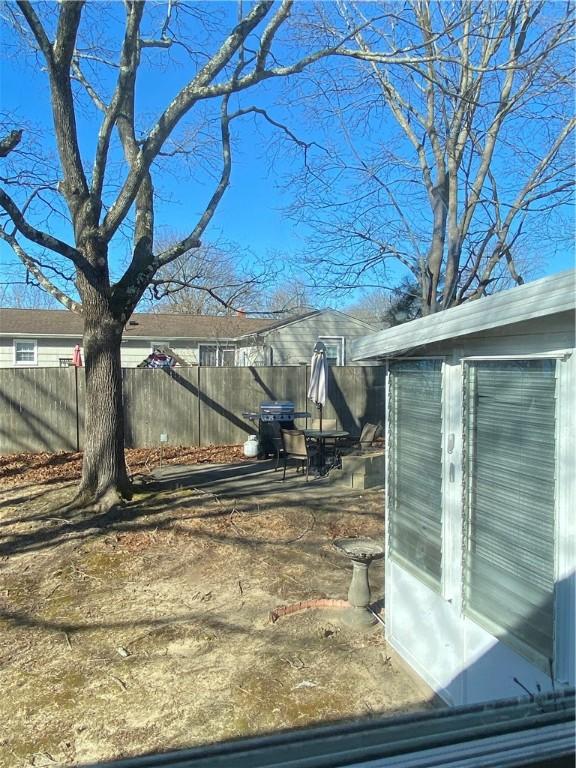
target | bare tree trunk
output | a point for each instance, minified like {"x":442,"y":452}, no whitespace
{"x":104,"y":477}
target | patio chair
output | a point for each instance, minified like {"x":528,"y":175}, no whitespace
{"x":296,"y":447}
{"x":366,"y":440}
{"x":326,"y":424}
{"x":330,"y":443}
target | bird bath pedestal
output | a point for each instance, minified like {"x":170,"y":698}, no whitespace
{"x":361,"y":551}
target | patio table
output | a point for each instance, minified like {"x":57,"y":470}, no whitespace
{"x":320,"y":436}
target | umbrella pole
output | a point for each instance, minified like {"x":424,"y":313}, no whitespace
{"x":321,"y":408}
{"x":77,"y":414}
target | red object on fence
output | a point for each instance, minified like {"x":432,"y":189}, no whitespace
{"x":77,"y":357}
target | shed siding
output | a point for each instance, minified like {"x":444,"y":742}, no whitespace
{"x":546,"y":335}
{"x":293,"y":344}
{"x":461,"y":660}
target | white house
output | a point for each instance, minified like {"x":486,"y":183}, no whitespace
{"x":45,"y":338}
{"x":481,"y":523}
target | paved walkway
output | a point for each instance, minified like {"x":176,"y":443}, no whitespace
{"x":252,"y":477}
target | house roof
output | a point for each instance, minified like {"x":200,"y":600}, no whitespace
{"x":548,"y":296}
{"x":155,"y":326}
{"x":62,"y":322}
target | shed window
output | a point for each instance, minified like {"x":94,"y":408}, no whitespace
{"x":25,"y":352}
{"x":510,"y":462}
{"x":334,"y":349}
{"x":415,"y":482}
{"x":211,"y":354}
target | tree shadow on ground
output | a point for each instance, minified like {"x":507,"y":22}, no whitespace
{"x":230,"y":489}
{"x":21,"y":619}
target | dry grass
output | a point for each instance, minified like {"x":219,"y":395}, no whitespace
{"x":149,"y":629}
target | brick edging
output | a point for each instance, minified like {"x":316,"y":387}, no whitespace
{"x":303,"y":605}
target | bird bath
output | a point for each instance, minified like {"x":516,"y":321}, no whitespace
{"x":361,"y":551}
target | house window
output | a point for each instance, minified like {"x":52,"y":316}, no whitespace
{"x":415,"y":481}
{"x":211,"y":354}
{"x":334,"y":349}
{"x":25,"y":352}
{"x":510,"y":437}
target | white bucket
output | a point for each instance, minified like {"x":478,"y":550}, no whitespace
{"x":251,"y":447}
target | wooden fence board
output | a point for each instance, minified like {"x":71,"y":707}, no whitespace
{"x":192,"y":406}
{"x":37,"y":410}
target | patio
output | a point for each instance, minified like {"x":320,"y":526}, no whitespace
{"x":150,"y":629}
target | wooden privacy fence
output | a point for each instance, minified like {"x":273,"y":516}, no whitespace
{"x":42,"y":409}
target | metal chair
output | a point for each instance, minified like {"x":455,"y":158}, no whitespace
{"x":364,"y":442}
{"x":296,"y":447}
{"x":368,"y":435}
{"x":326,"y":424}
{"x":330,"y":443}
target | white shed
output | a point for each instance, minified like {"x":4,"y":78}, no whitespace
{"x":481,"y":523}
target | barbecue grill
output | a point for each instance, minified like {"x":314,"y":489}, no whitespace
{"x":272,"y":413}
{"x":277,"y":410}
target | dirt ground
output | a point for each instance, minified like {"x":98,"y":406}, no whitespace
{"x":149,"y":629}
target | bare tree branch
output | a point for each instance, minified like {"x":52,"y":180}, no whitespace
{"x":9,"y":142}
{"x":32,"y":266}
{"x":39,"y":237}
{"x":456,"y":88}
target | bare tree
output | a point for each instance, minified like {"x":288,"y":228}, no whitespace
{"x":454,"y":163}
{"x":373,"y":307}
{"x":292,"y":297}
{"x":210,"y":280}
{"x":22,"y":295}
{"x":109,"y":198}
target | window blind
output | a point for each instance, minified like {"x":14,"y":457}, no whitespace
{"x":510,"y":462}
{"x":415,"y":481}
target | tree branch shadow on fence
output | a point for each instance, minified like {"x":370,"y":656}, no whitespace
{"x":210,"y":402}
{"x":262,"y":384}
{"x":39,"y":430}
{"x":41,"y":408}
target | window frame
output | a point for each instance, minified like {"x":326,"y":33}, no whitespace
{"x":337,"y":341}
{"x":438,"y":586}
{"x":518,"y":645}
{"x":34,"y":342}
{"x":220,"y":350}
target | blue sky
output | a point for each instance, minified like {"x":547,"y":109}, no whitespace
{"x":252,"y":213}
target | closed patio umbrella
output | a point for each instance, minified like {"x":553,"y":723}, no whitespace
{"x":77,"y":357}
{"x":77,"y":363}
{"x":318,"y":378}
